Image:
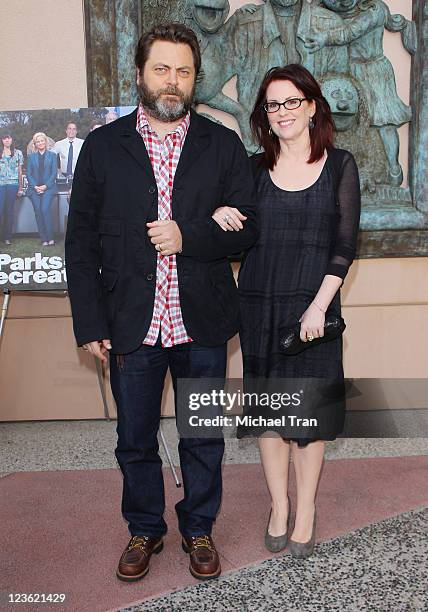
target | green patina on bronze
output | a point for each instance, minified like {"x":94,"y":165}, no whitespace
{"x":341,"y":42}
{"x":112,"y":30}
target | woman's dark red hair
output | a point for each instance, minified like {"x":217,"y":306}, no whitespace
{"x":321,"y":134}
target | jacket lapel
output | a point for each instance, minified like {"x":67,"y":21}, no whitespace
{"x":131,"y":140}
{"x":197,"y":139}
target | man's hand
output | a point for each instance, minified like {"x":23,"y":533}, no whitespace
{"x":98,"y":349}
{"x":166,"y":236}
{"x":228,"y":218}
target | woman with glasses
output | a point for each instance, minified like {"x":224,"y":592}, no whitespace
{"x":309,"y":209}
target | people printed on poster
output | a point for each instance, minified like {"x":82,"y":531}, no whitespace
{"x":41,"y":177}
{"x":11,"y":162}
{"x":68,"y":150}
{"x":39,"y":151}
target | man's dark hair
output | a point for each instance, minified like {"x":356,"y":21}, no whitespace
{"x":171,"y":32}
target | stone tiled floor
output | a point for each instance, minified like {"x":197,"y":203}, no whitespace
{"x":62,"y":445}
{"x":379,"y":568}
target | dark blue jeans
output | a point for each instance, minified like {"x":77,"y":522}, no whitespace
{"x":42,"y":210}
{"x":7,"y":200}
{"x":137,"y":381}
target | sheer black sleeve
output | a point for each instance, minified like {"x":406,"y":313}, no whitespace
{"x":349,"y":201}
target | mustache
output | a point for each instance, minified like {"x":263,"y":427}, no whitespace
{"x":171,"y":91}
{"x":163,"y":109}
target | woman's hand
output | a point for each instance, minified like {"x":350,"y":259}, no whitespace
{"x":312,"y":323}
{"x":228,"y":218}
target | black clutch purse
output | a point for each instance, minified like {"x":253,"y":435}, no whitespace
{"x":290,"y":343}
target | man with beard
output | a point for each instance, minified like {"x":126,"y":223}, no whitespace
{"x":150,"y":283}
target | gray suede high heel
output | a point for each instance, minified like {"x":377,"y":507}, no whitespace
{"x":302,"y":550}
{"x":277,"y":543}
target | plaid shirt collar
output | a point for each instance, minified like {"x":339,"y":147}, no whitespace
{"x":143,"y":125}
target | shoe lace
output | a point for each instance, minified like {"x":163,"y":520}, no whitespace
{"x":203,"y":541}
{"x":138,"y":542}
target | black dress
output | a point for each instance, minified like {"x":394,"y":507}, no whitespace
{"x":304,"y":235}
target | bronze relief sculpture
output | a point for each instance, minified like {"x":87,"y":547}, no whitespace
{"x":341,"y":42}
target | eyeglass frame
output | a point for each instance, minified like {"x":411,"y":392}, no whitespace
{"x":283,"y":104}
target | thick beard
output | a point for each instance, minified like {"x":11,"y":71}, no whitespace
{"x":163,"y":110}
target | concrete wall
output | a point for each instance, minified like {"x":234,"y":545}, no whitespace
{"x":42,"y":374}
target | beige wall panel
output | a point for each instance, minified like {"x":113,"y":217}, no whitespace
{"x":379,"y":342}
{"x":384,"y":281}
{"x":387,"y":281}
{"x":376,"y":342}
{"x":370,"y":281}
{"x":386,"y":342}
{"x":38,"y":304}
{"x":42,"y":375}
{"x":42,"y":54}
{"x":388,"y":394}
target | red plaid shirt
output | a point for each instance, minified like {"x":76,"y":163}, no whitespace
{"x":164,"y":157}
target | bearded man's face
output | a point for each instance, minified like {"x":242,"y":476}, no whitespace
{"x":167,"y":85}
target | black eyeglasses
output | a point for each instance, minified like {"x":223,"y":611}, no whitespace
{"x":290,"y":104}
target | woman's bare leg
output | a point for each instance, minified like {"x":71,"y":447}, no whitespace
{"x":275,"y":455}
{"x":307,"y":465}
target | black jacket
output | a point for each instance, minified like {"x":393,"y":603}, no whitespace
{"x":110,"y":261}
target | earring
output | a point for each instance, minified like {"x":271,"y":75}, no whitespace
{"x":311,"y":123}
{"x":270,"y":131}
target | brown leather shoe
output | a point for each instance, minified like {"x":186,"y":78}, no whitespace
{"x":204,"y":559}
{"x":134,"y":562}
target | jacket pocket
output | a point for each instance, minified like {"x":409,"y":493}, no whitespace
{"x":109,"y":278}
{"x":110,"y":227}
{"x":225,"y":290}
{"x":110,"y":297}
{"x":111,"y":236}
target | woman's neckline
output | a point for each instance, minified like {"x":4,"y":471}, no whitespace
{"x":304,"y":188}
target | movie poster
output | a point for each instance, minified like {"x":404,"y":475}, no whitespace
{"x":38,"y":154}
